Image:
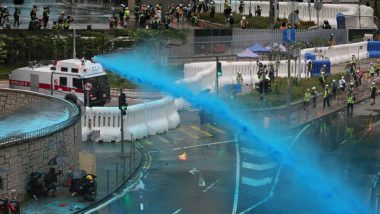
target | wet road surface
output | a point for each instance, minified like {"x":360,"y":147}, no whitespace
{"x":217,"y":179}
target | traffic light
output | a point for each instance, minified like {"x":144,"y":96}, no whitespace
{"x":219,"y":72}
{"x":123,"y":105}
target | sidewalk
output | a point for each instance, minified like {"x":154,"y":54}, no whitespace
{"x":299,"y":116}
{"x":111,"y":171}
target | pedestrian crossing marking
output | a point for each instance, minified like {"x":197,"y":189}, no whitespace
{"x":148,"y":142}
{"x":216,"y":129}
{"x":256,"y":182}
{"x":188,"y":133}
{"x":201,"y":131}
{"x":259,"y":167}
{"x":253,"y":152}
{"x":163,"y":140}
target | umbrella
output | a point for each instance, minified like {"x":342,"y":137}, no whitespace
{"x":58,"y":160}
{"x":258,"y":48}
{"x":78,"y":174}
{"x":247,"y":54}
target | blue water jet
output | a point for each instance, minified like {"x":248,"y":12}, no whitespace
{"x":334,"y":197}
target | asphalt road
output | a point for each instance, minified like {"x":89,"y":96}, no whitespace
{"x":216,"y":178}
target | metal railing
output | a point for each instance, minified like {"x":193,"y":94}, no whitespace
{"x":298,"y":114}
{"x":240,"y":39}
{"x":74,"y":117}
{"x":136,"y":94}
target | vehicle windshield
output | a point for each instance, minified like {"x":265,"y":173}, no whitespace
{"x":98,"y":83}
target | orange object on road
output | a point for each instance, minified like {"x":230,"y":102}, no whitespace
{"x":182,"y":156}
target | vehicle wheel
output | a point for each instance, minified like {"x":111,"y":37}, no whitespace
{"x":71,"y":98}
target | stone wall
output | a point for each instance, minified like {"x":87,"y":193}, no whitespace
{"x":19,"y":159}
{"x":11,"y":100}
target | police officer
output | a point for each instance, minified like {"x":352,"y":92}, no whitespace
{"x":334,"y":88}
{"x":354,"y":61}
{"x":241,"y":6}
{"x":350,"y":102}
{"x":342,"y":83}
{"x":212,"y":12}
{"x":326,"y":97}
{"x":137,"y":13}
{"x":33,"y":13}
{"x":16,"y":16}
{"x":5,"y":15}
{"x":373,"y":90}
{"x":314,"y":94}
{"x":258,"y":11}
{"x":371,"y":70}
{"x":377,"y":67}
{"x":66,"y":22}
{"x":231,"y":20}
{"x":309,"y":65}
{"x":351,"y":87}
{"x":167,"y":20}
{"x":306,"y":99}
{"x":322,"y":79}
{"x":45,"y":16}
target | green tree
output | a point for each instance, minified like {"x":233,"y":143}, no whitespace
{"x":3,"y":50}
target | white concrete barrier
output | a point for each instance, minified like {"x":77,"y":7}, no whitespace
{"x":140,"y":121}
{"x":328,"y":12}
{"x":339,"y":53}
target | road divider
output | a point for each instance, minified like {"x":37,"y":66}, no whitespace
{"x":141,"y":120}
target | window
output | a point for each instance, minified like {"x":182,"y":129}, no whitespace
{"x":52,"y":68}
{"x":109,"y":121}
{"x":74,"y":70}
{"x":118,"y":121}
{"x":63,"y":81}
{"x":77,"y":83}
{"x":113,"y":121}
{"x":104,"y":121}
{"x":99,"y":118}
{"x":64,"y":69}
{"x":94,"y":121}
{"x":85,"y":120}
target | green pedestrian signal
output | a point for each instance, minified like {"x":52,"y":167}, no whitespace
{"x":123,"y":105}
{"x":219,"y":72}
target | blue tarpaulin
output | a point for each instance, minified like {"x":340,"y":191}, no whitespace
{"x":258,"y":49}
{"x":318,"y":64}
{"x":309,"y":55}
{"x":373,"y":48}
{"x":247,"y":54}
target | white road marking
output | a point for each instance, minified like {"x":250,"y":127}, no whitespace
{"x":259,"y":167}
{"x":271,"y":193}
{"x":193,"y":171}
{"x":201,"y":181}
{"x":253,"y":152}
{"x":141,"y":206}
{"x":256,"y":182}
{"x":179,"y":210}
{"x":201,"y":145}
{"x":237,"y":180}
{"x":211,"y":185}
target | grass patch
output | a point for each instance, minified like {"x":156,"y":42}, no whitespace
{"x":278,"y":96}
{"x":253,"y":22}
